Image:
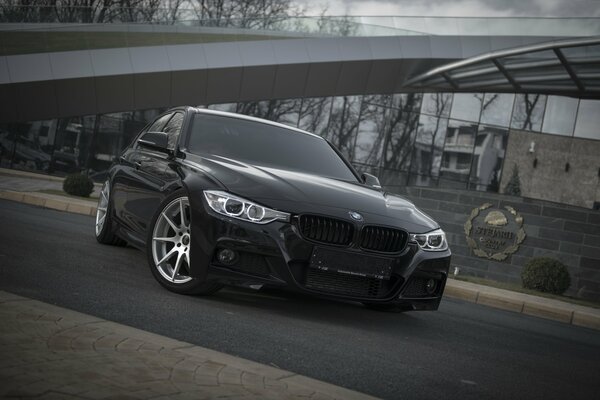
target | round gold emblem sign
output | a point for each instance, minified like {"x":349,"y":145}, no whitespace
{"x":494,"y":233}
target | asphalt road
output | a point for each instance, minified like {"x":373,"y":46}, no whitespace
{"x":462,"y":351}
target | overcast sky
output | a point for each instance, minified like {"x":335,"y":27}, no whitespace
{"x":527,"y":8}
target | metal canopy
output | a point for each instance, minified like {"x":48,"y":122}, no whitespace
{"x":567,"y":67}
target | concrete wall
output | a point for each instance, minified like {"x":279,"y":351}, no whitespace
{"x":579,"y":186}
{"x":567,"y":233}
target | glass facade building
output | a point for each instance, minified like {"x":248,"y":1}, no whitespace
{"x":426,"y":139}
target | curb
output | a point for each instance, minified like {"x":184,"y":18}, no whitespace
{"x":551,"y":309}
{"x":555,"y":310}
{"x":49,"y":201}
{"x":32,"y":175}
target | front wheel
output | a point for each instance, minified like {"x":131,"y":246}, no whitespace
{"x":104,"y":232}
{"x":168,"y":247}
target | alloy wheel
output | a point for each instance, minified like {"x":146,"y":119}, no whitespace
{"x":102,"y":208}
{"x":171,"y":241}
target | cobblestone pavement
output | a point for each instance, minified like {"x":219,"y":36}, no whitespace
{"x":50,"y":352}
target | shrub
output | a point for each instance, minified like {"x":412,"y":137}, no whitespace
{"x":546,"y":275}
{"x":78,"y":185}
{"x":513,"y":187}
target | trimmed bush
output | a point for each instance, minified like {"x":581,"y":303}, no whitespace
{"x":78,"y":185}
{"x":513,"y":187}
{"x":546,"y":275}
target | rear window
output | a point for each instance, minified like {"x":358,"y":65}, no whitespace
{"x":265,"y":145}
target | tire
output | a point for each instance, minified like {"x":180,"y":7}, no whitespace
{"x":392,"y":308}
{"x":104,"y":233}
{"x":168,"y":247}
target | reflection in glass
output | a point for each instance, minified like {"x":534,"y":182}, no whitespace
{"x":458,"y":151}
{"x":228,"y":107}
{"x":71,"y":147}
{"x":437,"y":104}
{"x":343,"y":124}
{"x":428,"y":148}
{"x":559,"y":117}
{"x":588,"y":119}
{"x":466,"y":106}
{"x":497,"y":108}
{"x":28,"y":145}
{"x":371,"y":135}
{"x":283,"y":111}
{"x":402,"y":129}
{"x":528,"y":112}
{"x":407,"y":101}
{"x":383,"y":100}
{"x":113,"y":133}
{"x":488,"y":156}
{"x":314,"y":115}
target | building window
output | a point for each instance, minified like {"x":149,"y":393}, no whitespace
{"x":497,"y":108}
{"x":559,"y":117}
{"x":466,"y":106}
{"x":588,"y":120}
{"x":528,"y":112}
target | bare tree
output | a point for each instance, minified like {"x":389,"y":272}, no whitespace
{"x":263,"y":14}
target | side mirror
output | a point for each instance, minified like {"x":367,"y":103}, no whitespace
{"x":158,"y":141}
{"x":371,"y":180}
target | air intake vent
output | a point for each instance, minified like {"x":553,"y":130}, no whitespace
{"x":386,"y":240}
{"x":326,"y":230}
{"x":344,"y":284}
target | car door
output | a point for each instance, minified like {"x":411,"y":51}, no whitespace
{"x":138,"y":189}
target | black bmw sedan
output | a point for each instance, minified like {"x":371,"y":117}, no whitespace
{"x":220,"y":199}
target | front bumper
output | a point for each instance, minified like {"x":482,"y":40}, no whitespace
{"x":276,"y":254}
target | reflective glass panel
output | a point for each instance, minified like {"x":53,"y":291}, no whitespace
{"x":410,"y":102}
{"x":437,"y":104}
{"x":371,"y":135}
{"x":228,"y":107}
{"x":488,"y":157}
{"x":283,"y":111}
{"x":497,"y":108}
{"x":458,"y":151}
{"x":314,"y":114}
{"x":588,"y":119}
{"x":559,"y":117}
{"x":28,"y":145}
{"x":71,"y":147}
{"x":429,"y":146}
{"x":402,"y":130}
{"x":466,"y":106}
{"x":528,"y":112}
{"x":343,"y":123}
{"x":114,"y":133}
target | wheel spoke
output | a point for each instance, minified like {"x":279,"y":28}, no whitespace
{"x":103,"y":209}
{"x":101,"y":220}
{"x":172,"y":239}
{"x":177,"y":265}
{"x":175,"y":228}
{"x":167,"y":256}
{"x":104,"y":195}
{"x":182,"y":213}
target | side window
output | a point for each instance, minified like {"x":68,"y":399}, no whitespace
{"x":159,"y":123}
{"x":173,"y":128}
{"x":156,"y":126}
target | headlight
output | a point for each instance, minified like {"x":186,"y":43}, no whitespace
{"x":237,"y":207}
{"x":431,"y":241}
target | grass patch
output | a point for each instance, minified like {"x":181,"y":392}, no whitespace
{"x":515,"y":287}
{"x":61,"y":193}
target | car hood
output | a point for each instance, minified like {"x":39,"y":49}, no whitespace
{"x":299,"y":193}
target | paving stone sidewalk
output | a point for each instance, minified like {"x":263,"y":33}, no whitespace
{"x":48,"y":352}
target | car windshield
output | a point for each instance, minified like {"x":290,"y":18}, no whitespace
{"x":266,"y":145}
